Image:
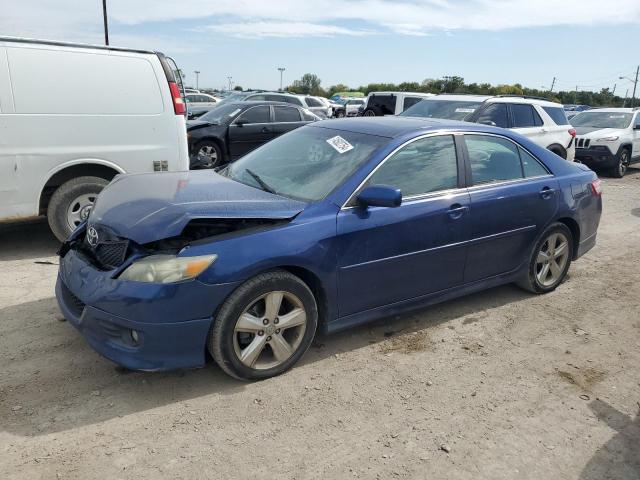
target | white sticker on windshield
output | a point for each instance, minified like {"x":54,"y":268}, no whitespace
{"x":340,"y":144}
{"x":235,"y":112}
{"x":616,"y":116}
{"x":465,"y":110}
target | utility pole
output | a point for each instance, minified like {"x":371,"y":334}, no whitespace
{"x":281,"y":69}
{"x":613,"y":92}
{"x":229,"y":78}
{"x":635,"y":84}
{"x":197,"y":72}
{"x":624,"y":103}
{"x":553,"y":83}
{"x":104,"y":18}
{"x":575,"y":100}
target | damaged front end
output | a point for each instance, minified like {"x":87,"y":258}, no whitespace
{"x":105,"y":250}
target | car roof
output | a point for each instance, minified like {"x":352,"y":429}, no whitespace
{"x":393,"y":126}
{"x":243,"y":103}
{"x":454,"y":96}
{"x":611,"y":110}
{"x":389,"y":92}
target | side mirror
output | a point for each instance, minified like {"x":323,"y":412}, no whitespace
{"x":636,"y":126}
{"x":488,"y":122}
{"x":240,"y":122}
{"x":380,"y":196}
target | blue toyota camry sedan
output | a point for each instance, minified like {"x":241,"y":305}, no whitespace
{"x":332,"y":225}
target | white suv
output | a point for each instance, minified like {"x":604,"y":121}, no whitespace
{"x":391,"y":103}
{"x":540,"y":120}
{"x":608,"y":138}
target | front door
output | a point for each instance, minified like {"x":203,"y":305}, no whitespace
{"x":513,"y":198}
{"x":388,"y":255}
{"x":251,"y":129}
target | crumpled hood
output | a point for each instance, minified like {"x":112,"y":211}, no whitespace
{"x":594,"y":132}
{"x":153,"y":206}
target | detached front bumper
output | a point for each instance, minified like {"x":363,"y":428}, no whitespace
{"x":139,"y":326}
{"x":598,"y":156}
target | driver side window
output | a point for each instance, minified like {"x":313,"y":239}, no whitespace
{"x":255,"y":115}
{"x":423,"y":166}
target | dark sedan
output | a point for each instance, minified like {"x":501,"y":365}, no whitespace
{"x":231,"y":130}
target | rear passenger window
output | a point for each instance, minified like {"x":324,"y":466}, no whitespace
{"x":312,"y":102}
{"x":495,"y":115}
{"x":493,"y":159}
{"x":426,"y":165}
{"x":293,"y":100}
{"x":531,"y":166}
{"x":286,"y":114}
{"x":557,"y":114}
{"x":410,"y":102}
{"x":525,"y":116}
{"x":255,"y":115}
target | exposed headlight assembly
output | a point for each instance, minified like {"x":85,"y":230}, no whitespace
{"x":167,"y":268}
{"x":607,"y":139}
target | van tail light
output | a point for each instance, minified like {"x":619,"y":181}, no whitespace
{"x":596,"y":187}
{"x":178,"y":103}
{"x":572,"y":132}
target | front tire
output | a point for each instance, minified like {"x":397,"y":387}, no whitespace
{"x":624,"y":159}
{"x":207,"y":155}
{"x":71,"y":204}
{"x":264,"y":327}
{"x":550,"y":260}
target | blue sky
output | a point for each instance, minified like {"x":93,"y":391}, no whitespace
{"x":581,"y":42}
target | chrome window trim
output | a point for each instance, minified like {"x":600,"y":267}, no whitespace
{"x":345,"y":205}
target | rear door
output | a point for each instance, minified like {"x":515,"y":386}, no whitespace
{"x":636,"y":138}
{"x":526,"y":121}
{"x":513,"y":197}
{"x":388,"y":255}
{"x":251,"y":129}
{"x":285,"y":119}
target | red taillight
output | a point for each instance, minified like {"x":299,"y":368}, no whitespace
{"x":178,"y":103}
{"x":572,"y":132}
{"x":596,"y":187}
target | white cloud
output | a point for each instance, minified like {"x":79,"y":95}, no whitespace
{"x":283,"y":29}
{"x":82,"y":20}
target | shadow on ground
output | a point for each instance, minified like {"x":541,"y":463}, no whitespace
{"x":619,"y":458}
{"x":27,"y":240}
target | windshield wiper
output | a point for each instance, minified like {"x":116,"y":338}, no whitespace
{"x":261,"y":182}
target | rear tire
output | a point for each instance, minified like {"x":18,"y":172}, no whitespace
{"x":250,"y":340}
{"x":71,"y":204}
{"x":550,"y":260}
{"x":371,"y":112}
{"x":558,"y":150}
{"x":623,"y":163}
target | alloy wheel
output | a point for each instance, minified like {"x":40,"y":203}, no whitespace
{"x":552,"y":259}
{"x":209,"y":154}
{"x":270,"y":330}
{"x":369,"y":113}
{"x":623,"y":163}
{"x":79,"y":209}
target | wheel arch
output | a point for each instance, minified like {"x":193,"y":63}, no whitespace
{"x":74,"y":169}
{"x":555,"y":148}
{"x":574,"y":227}
{"x":628,"y":146}
{"x":218,"y":141}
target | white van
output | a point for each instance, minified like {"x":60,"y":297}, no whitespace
{"x":74,"y":116}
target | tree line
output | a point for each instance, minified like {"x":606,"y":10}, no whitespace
{"x":310,"y":84}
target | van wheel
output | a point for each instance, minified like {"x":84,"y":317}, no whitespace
{"x":264,"y":327}
{"x":71,"y":204}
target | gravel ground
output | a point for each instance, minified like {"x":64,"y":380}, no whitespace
{"x":498,"y":385}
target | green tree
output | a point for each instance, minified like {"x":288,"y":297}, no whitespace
{"x":238,"y":88}
{"x":309,"y":84}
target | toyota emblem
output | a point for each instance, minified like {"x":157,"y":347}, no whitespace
{"x":92,"y":237}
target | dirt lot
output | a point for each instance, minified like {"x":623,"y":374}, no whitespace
{"x":498,"y":385}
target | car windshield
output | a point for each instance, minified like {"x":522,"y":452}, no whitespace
{"x":234,"y":97}
{"x":602,"y":119}
{"x":306,"y":164}
{"x":221,"y":112}
{"x":448,"y":109}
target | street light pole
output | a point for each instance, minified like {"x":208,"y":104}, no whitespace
{"x":281,"y":69}
{"x":197,"y":72}
{"x":229,"y":78}
{"x":635,"y":84}
{"x":104,"y":18}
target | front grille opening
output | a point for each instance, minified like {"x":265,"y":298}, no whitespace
{"x":112,"y":254}
{"x":72,"y":302}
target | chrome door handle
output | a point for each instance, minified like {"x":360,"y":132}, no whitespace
{"x":456,"y":210}
{"x":546,"y":193}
